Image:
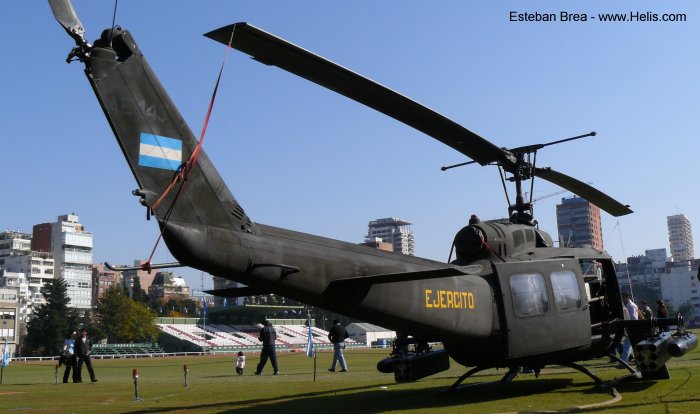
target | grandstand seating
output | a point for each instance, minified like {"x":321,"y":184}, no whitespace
{"x":244,"y":336}
{"x":125,"y":349}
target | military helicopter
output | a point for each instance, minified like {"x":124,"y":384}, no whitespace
{"x":509,"y":299}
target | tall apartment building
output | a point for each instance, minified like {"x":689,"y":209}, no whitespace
{"x":680,"y":237}
{"x":646,"y":270}
{"x":13,"y":243}
{"x":102,"y":279}
{"x":27,"y":274}
{"x":168,"y":285}
{"x":71,"y":246}
{"x":145,"y":278}
{"x":578,"y":223}
{"x":394,"y":231}
{"x":681,"y":286}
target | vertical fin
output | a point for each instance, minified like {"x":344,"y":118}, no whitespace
{"x":154,"y":138}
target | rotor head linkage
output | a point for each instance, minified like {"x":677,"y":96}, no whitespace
{"x":521,"y":163}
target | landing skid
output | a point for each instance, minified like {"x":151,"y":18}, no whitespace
{"x":605,"y":385}
{"x":634,"y":374}
{"x":513,"y":372}
{"x":508,"y":377}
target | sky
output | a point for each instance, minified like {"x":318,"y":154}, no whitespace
{"x":301,"y":157}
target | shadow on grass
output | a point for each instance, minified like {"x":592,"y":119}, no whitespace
{"x":374,"y":399}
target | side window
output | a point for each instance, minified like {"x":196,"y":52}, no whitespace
{"x":529,"y":294}
{"x":567,"y":295}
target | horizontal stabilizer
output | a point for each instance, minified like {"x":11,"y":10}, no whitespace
{"x":410,"y":276}
{"x":237,"y":292}
{"x":145,"y":267}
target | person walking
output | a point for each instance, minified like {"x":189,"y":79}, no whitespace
{"x":267,"y":337}
{"x":337,"y":335}
{"x":662,"y":312}
{"x":83,"y":349}
{"x":633,"y":312}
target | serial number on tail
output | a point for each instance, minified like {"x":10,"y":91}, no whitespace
{"x":449,"y":299}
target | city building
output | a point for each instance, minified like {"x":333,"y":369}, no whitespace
{"x":27,"y":274}
{"x":71,"y":246}
{"x":377,"y":243}
{"x":102,"y":279}
{"x":13,"y":243}
{"x":41,"y":237}
{"x":680,"y":286}
{"x":145,"y":277}
{"x":9,"y":325}
{"x":168,"y":285}
{"x":578,"y":223}
{"x":680,"y":237}
{"x":646,"y":270}
{"x":394,"y":231}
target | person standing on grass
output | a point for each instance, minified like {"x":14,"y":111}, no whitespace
{"x":240,"y":363}
{"x":70,"y":358}
{"x":337,"y":335}
{"x":83,"y":349}
{"x":268,"y":336}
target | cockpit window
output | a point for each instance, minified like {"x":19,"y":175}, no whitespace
{"x":567,"y":295}
{"x":529,"y":294}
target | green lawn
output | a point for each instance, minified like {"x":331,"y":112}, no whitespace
{"x":214,"y":388}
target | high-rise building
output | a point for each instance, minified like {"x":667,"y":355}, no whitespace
{"x":27,"y":274}
{"x":71,"y":246}
{"x":680,"y":237}
{"x":646,"y":270}
{"x":394,"y":231}
{"x":102,"y":279}
{"x":378,"y":244}
{"x":13,"y":243}
{"x":578,"y":223}
{"x":145,"y":277}
{"x":168,"y":285}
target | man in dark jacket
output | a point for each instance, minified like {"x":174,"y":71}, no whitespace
{"x":337,"y":335}
{"x":83,"y":349}
{"x":268,"y":337}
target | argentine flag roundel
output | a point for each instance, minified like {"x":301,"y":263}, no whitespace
{"x":160,"y":152}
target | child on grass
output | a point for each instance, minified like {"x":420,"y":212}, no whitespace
{"x":240,"y":363}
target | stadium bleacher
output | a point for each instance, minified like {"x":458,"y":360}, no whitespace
{"x":217,"y":338}
{"x":125,"y":349}
{"x":244,"y":336}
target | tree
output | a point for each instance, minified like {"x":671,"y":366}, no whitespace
{"x":51,"y":322}
{"x":138,"y":294}
{"x":644,"y":294}
{"x":124,"y":320}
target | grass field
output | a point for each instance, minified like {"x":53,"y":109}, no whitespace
{"x":214,"y":388}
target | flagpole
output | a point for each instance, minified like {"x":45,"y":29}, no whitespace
{"x":310,"y":348}
{"x":2,"y":365}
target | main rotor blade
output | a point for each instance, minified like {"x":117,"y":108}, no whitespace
{"x":600,"y":199}
{"x":64,"y":12}
{"x":272,"y":50}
